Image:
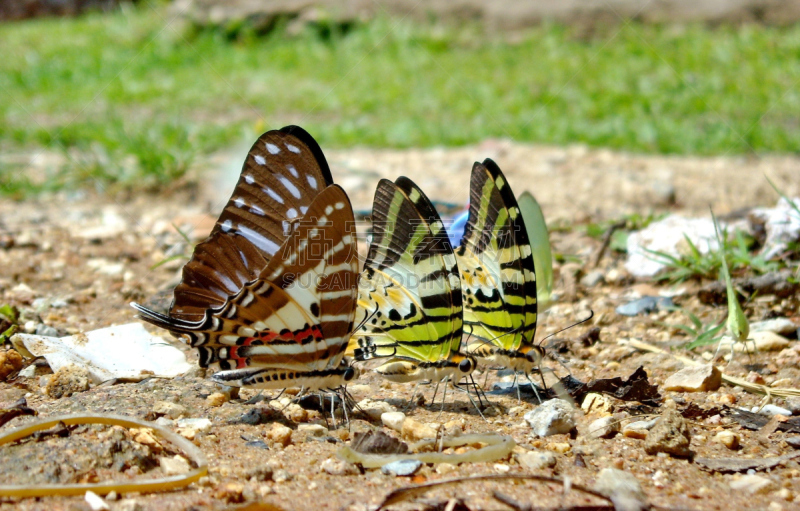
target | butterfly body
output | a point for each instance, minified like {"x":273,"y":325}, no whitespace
{"x":453,"y":368}
{"x":269,"y":298}
{"x":261,"y":378}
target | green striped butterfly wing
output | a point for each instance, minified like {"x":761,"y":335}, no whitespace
{"x":540,"y":244}
{"x":410,"y":283}
{"x":496,"y":264}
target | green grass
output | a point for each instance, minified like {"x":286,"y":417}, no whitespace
{"x":699,"y":332}
{"x":133,"y":99}
{"x":696,"y":265}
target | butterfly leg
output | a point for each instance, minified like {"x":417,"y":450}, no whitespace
{"x":345,"y":404}
{"x":444,"y":394}
{"x":516,"y":384}
{"x":533,"y":386}
{"x":413,"y":396}
{"x":435,"y":391}
{"x":482,"y":391}
{"x":477,"y":389}
{"x":477,"y":408}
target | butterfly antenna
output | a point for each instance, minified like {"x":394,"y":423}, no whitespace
{"x":591,"y":315}
{"x":510,"y":332}
{"x":364,"y":321}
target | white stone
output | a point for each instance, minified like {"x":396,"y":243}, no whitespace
{"x":780,"y":326}
{"x":95,"y":501}
{"x":171,"y":410}
{"x":772,"y":410}
{"x":551,"y":418}
{"x":622,"y":488}
{"x":375,"y":408}
{"x":393,"y":420}
{"x":752,"y":484}
{"x":604,"y":427}
{"x":597,"y":403}
{"x":317,"y":430}
{"x":727,"y":438}
{"x":638,"y":429}
{"x":336,"y":467}
{"x":200,"y":425}
{"x":174,"y":465}
{"x":536,"y":460}
{"x":703,"y":378}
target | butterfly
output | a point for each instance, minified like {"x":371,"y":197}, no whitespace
{"x":270,"y":296}
{"x":411,"y":287}
{"x":498,"y":275}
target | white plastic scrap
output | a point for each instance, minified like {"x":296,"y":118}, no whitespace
{"x":122,"y":351}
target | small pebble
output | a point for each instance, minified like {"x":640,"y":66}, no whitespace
{"x":445,"y":468}
{"x":704,"y":378}
{"x":597,"y":403}
{"x":10,"y":363}
{"x":164,"y":422}
{"x":559,"y":447}
{"x":217,"y":399}
{"x":780,"y":326}
{"x":536,"y":460}
{"x":794,"y":441}
{"x":402,"y":467}
{"x":174,"y":465}
{"x":604,"y":427}
{"x":232,"y":493}
{"x":375,"y":409}
{"x":551,"y":418}
{"x":315,"y":430}
{"x":336,"y":467}
{"x":772,"y":410}
{"x":280,"y":434}
{"x":727,"y":438}
{"x":645,"y":305}
{"x":670,"y":435}
{"x":393,"y":420}
{"x":128,"y":505}
{"x":415,"y":430}
{"x":769,"y":341}
{"x":622,"y":488}
{"x":281,"y":476}
{"x":67,"y":381}
{"x":790,"y":403}
{"x":28,"y":372}
{"x":592,"y":278}
{"x":199,"y":425}
{"x":171,"y":410}
{"x":46,"y":331}
{"x":752,"y":484}
{"x":638,"y":429}
{"x":95,"y":501}
{"x":295,"y":413}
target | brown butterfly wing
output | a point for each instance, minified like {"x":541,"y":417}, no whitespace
{"x":283,"y":173}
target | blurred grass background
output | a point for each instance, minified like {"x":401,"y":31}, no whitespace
{"x":134,"y":99}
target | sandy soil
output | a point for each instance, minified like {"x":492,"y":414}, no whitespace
{"x":74,"y":263}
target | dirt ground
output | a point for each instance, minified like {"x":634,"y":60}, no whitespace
{"x":73,"y":262}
